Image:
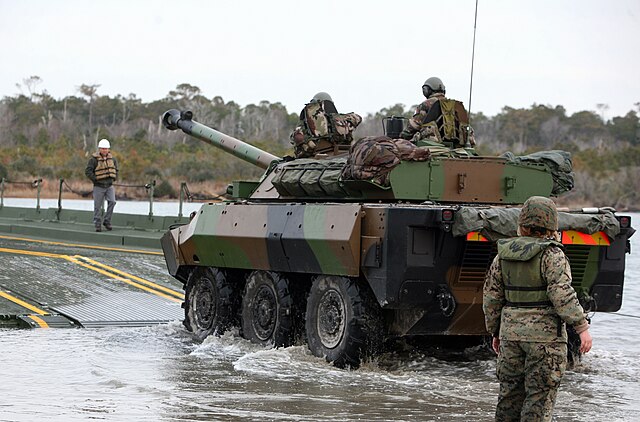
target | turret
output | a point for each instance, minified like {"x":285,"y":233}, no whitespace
{"x":443,"y":178}
{"x":175,"y":119}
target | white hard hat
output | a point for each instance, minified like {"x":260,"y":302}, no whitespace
{"x":104,"y":143}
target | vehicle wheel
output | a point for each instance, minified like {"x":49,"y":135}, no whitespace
{"x":210,"y":303}
{"x":343,"y":321}
{"x":268,"y":310}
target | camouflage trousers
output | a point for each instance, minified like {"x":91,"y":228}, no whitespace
{"x":529,"y":375}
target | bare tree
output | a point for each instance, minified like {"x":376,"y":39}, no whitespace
{"x":602,"y":108}
{"x":90,"y":92}
{"x":30,"y":83}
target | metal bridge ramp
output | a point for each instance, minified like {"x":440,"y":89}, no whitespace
{"x":121,"y":308}
{"x":40,"y":287}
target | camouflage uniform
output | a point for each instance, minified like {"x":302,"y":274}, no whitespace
{"x":527,"y":300}
{"x":373,"y":157}
{"x":416,"y":122}
{"x":318,"y":130}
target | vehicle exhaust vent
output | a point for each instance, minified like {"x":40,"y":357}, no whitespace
{"x":578,"y":258}
{"x":478,"y":256}
{"x":476,"y":260}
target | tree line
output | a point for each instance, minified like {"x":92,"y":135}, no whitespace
{"x":41,"y":136}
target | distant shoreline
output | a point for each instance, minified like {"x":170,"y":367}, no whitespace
{"x":69,"y":196}
{"x":82,"y":189}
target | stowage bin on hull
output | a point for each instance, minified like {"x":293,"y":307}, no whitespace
{"x":346,"y":264}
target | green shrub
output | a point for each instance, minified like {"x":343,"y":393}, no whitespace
{"x":26,"y":164}
{"x":164,"y":189}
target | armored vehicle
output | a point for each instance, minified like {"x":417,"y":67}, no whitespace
{"x":304,"y":253}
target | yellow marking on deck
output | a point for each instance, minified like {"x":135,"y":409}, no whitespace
{"x":77,"y":245}
{"x":117,"y":277}
{"x":131,"y":276}
{"x":41,"y":322}
{"x":23,"y":303}
{"x":76,"y":260}
{"x":33,"y":253}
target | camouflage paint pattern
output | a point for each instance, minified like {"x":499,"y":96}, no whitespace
{"x":486,"y":180}
{"x":280,"y":237}
{"x":173,"y":119}
{"x":473,"y":180}
{"x":479,"y":179}
{"x":402,"y":250}
{"x":429,"y":280}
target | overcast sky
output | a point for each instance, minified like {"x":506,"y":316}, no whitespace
{"x":366,"y":54}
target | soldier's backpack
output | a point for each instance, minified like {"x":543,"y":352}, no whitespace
{"x":448,"y":121}
{"x":315,"y":119}
{"x":323,"y":129}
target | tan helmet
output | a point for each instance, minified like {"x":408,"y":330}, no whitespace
{"x":104,"y":143}
{"x":539,"y":211}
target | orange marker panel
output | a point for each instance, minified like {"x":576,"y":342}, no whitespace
{"x":572,"y":237}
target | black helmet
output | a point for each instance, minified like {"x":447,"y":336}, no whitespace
{"x":431,"y":85}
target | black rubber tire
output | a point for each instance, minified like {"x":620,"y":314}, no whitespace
{"x":268,"y":314}
{"x":343,"y":321}
{"x":210,"y":303}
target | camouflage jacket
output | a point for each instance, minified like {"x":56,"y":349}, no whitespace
{"x":534,"y":324}
{"x":416,"y":122}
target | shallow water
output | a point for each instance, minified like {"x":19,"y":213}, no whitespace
{"x":161,"y":374}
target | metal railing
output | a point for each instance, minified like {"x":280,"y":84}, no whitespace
{"x":36,"y":184}
{"x":184,"y":195}
{"x":184,"y":192}
{"x":150,"y":187}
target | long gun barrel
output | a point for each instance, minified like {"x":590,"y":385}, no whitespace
{"x":175,"y":119}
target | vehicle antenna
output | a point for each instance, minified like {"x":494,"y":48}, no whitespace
{"x":473,"y":53}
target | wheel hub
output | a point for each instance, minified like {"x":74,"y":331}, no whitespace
{"x":331,"y":319}
{"x":204,"y":304}
{"x":264,"y":313}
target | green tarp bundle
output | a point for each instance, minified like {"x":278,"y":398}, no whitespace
{"x":559,"y":162}
{"x":496,"y":223}
{"x":310,"y":177}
